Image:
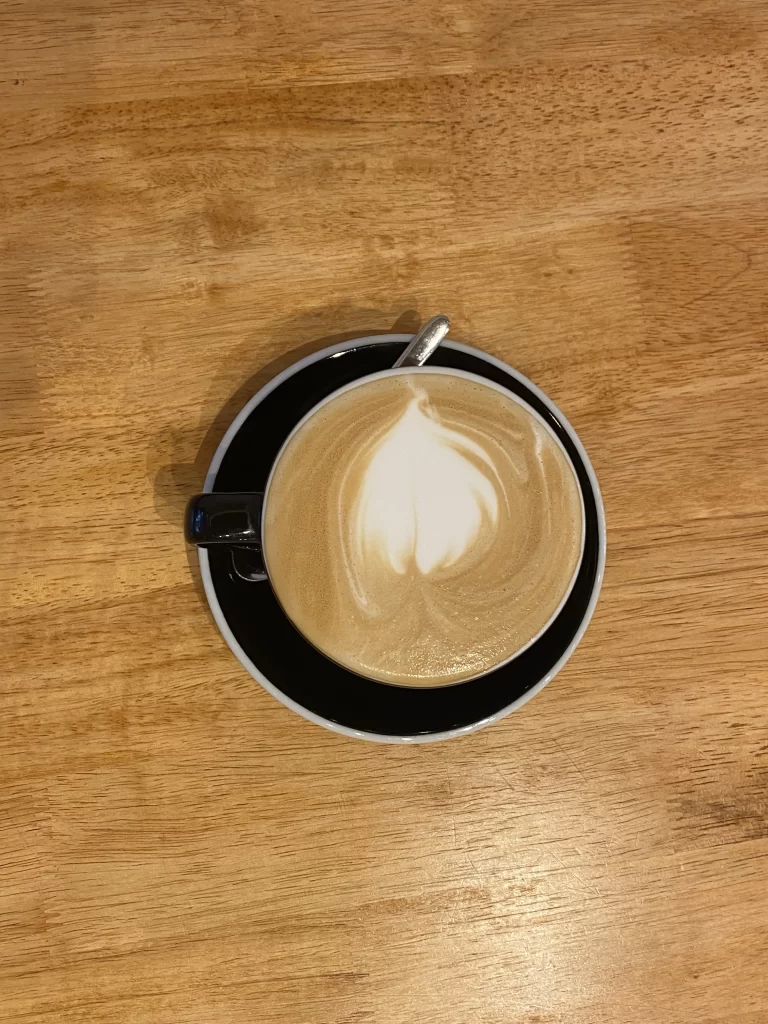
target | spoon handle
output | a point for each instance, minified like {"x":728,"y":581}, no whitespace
{"x":425,"y":341}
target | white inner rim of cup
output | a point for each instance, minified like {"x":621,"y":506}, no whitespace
{"x":313,"y":716}
{"x":444,"y":371}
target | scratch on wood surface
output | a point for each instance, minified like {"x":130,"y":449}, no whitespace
{"x":577,"y":876}
{"x":568,"y":756}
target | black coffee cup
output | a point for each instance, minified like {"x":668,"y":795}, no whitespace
{"x":225,"y":522}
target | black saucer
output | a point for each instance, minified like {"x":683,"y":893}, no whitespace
{"x":276,"y":654}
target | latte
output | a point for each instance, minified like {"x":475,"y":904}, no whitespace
{"x":422,"y":528}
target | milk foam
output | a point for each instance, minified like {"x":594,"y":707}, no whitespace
{"x":422,"y":499}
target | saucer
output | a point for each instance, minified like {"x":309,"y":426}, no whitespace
{"x":274,"y":653}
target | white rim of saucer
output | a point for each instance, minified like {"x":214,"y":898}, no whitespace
{"x":270,"y":687}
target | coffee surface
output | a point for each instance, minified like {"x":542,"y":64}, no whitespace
{"x":420,"y":529}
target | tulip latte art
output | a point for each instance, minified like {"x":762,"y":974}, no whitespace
{"x":422,"y":528}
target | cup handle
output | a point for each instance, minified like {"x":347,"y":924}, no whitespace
{"x":227,"y":519}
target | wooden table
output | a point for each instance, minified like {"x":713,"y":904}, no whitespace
{"x":191,"y":190}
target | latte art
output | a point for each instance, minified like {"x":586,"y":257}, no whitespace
{"x":422,"y":528}
{"x":422,"y":498}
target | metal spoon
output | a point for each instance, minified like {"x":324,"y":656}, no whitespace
{"x":425,"y":341}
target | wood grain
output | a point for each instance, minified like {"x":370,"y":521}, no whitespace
{"x":190,"y":192}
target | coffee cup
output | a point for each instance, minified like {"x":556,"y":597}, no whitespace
{"x":262,"y":529}
{"x":425,"y":489}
